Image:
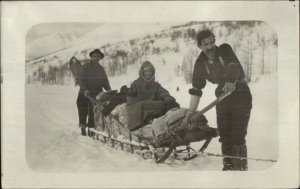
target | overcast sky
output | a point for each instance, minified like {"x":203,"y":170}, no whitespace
{"x":42,"y":30}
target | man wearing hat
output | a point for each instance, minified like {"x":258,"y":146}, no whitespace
{"x":93,"y":79}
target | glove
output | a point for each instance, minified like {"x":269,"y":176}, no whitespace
{"x":188,"y":117}
{"x":86,"y":93}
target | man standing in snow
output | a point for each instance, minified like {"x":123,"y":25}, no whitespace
{"x":92,"y":80}
{"x":219,"y":65}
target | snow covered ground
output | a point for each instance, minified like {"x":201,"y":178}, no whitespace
{"x":54,"y":144}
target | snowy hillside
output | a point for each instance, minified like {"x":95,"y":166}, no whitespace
{"x":255,"y":44}
{"x":49,"y":44}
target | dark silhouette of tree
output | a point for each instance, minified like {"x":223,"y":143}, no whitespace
{"x":249,"y":62}
{"x":191,"y":33}
{"x":132,"y":42}
{"x":274,"y":41}
{"x":263,"y":48}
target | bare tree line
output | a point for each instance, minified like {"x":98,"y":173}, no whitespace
{"x":248,"y":44}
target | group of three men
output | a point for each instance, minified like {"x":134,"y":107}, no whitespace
{"x":216,"y":64}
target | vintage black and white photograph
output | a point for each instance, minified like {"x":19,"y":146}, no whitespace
{"x":136,"y":87}
{"x":153,"y":96}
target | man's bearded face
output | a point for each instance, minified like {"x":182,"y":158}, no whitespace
{"x":208,"y":47}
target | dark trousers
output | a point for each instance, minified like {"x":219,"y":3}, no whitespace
{"x":233,"y":115}
{"x":82,"y":106}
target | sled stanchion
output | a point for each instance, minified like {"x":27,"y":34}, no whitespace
{"x":130,"y":137}
{"x":188,"y":150}
{"x":121,"y":144}
{"x":131,"y":149}
{"x":131,"y":146}
{"x":175,"y":153}
{"x":141,"y":147}
{"x":112,"y":143}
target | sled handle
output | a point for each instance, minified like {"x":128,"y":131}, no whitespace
{"x":211,"y":105}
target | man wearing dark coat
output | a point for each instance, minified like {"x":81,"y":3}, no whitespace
{"x":219,"y":65}
{"x":92,"y":80}
{"x":147,"y":99}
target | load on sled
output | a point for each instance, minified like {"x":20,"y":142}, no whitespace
{"x":147,"y":117}
{"x":162,"y":132}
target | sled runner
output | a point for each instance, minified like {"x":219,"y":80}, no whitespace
{"x":171,"y":134}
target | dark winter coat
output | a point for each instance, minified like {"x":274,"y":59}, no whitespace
{"x":147,"y":99}
{"x":233,"y":112}
{"x":93,"y":78}
{"x":226,"y":68}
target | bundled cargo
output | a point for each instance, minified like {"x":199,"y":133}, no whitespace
{"x":160,"y":137}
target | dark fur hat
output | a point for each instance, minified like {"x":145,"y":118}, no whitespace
{"x":96,"y":51}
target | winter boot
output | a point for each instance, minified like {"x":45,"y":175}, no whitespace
{"x":92,"y":134}
{"x":89,"y":133}
{"x":227,"y":151}
{"x":240,"y":164}
{"x":244,"y":162}
{"x":83,"y":132}
{"x":82,"y":127}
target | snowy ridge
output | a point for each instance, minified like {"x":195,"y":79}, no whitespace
{"x":255,"y":44}
{"x":49,"y":44}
